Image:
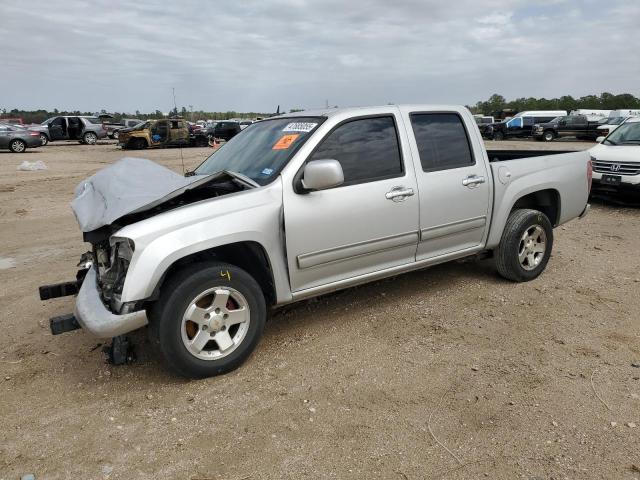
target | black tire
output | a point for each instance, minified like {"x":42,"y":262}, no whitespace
{"x":176,"y":295}
{"x":17,"y":146}
{"x":136,"y":143}
{"x":548,"y":135}
{"x":498,"y":136}
{"x":44,"y":139}
{"x":511,"y":245}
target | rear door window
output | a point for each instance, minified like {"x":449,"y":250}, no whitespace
{"x":442,"y":141}
{"x":367,"y":148}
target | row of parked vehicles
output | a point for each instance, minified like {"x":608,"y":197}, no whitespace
{"x":131,"y":133}
{"x":549,"y":125}
{"x":18,"y":137}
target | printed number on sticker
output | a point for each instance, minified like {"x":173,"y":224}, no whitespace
{"x":299,"y":127}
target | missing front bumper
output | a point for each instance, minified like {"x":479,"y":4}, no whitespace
{"x":94,"y":317}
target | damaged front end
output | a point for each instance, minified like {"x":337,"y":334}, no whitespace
{"x":127,"y":192}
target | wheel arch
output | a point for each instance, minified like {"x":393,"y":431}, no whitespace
{"x":251,"y":256}
{"x":547,"y":201}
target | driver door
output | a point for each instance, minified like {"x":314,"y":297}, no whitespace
{"x":361,"y":226}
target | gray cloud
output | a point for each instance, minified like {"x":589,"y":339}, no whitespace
{"x":254,"y":55}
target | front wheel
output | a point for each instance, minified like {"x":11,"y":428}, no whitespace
{"x":208,"y":320}
{"x":525,"y":246}
{"x":498,"y":136}
{"x":548,"y":136}
{"x":115,"y":135}
{"x":89,"y":138}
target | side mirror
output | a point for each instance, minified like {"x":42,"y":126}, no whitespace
{"x":600,"y":139}
{"x":562,"y":122}
{"x":322,"y":174}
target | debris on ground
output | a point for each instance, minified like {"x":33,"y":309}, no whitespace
{"x":32,"y":166}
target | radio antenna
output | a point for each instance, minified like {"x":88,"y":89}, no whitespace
{"x":175,"y":109}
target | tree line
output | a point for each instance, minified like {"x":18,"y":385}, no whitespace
{"x":605,"y":101}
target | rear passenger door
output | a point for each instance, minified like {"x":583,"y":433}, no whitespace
{"x":453,"y":182}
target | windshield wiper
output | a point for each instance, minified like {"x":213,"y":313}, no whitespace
{"x":631,"y":142}
{"x":243,"y":178}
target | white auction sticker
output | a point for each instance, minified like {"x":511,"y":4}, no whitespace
{"x":299,"y":127}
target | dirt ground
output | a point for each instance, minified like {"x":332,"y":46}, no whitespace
{"x":448,"y":373}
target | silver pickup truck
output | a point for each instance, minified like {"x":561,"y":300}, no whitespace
{"x":300,"y":205}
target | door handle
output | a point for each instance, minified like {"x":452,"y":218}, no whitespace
{"x":398,"y":194}
{"x":472,"y":180}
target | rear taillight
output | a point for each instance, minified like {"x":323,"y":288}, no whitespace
{"x":34,"y":134}
{"x":590,"y":173}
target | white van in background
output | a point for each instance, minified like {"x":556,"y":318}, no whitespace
{"x":591,"y":113}
{"x":542,"y":113}
{"x":625,"y":112}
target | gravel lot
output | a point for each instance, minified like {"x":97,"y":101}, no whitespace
{"x":446,"y":373}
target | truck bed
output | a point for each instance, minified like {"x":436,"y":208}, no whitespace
{"x":503,"y":155}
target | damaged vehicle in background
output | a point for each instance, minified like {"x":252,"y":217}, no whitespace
{"x":297,"y":206}
{"x":172,"y":132}
{"x":113,"y":128}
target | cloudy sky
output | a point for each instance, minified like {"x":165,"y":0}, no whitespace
{"x":252,"y":55}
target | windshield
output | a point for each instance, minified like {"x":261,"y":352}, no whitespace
{"x":93,"y":120}
{"x":614,"y":121}
{"x":262,"y":149}
{"x":557,"y":119}
{"x":625,"y":134}
{"x":48,"y":121}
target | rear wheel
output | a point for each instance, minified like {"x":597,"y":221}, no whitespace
{"x":89,"y":138}
{"x":208,"y":320}
{"x":44,"y":139}
{"x":525,"y":246}
{"x":548,"y":136}
{"x":17,"y":146}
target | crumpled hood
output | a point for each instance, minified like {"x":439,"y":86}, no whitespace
{"x":127,"y":186}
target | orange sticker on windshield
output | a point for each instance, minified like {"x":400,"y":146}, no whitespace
{"x":285,"y":142}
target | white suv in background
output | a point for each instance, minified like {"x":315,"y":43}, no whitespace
{"x":616,"y":159}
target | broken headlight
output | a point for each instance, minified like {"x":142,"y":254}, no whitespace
{"x":112,"y":279}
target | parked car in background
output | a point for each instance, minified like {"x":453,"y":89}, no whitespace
{"x":609,"y":125}
{"x":298,"y":206}
{"x":616,"y":160}
{"x":171,"y":132}
{"x":18,"y":139}
{"x":245,"y":123}
{"x":484,"y":119}
{"x":113,"y":128}
{"x":224,"y":130}
{"x":578,"y":126}
{"x":12,"y":121}
{"x":520,"y":125}
{"x":87,"y":130}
